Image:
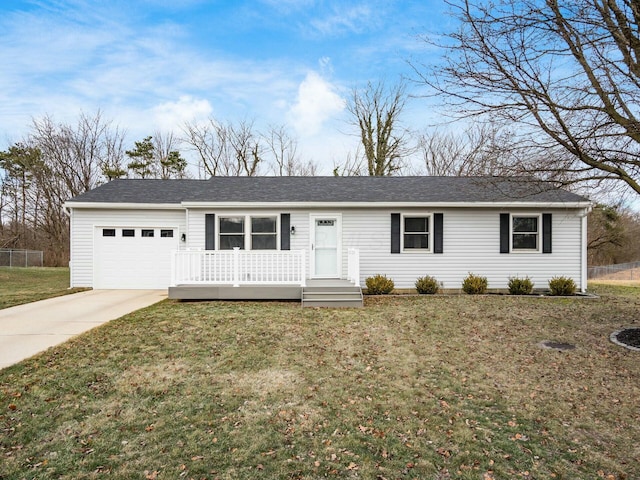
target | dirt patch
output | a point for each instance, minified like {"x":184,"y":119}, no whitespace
{"x":262,"y":382}
{"x":560,"y":346}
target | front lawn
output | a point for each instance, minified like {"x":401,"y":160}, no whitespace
{"x":25,"y":285}
{"x":445,"y":387}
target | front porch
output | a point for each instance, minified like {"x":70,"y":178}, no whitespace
{"x":260,"y":275}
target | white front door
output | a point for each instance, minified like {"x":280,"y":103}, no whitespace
{"x":325,"y":246}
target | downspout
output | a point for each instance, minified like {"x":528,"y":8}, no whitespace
{"x":583,"y":253}
{"x":69,"y":213}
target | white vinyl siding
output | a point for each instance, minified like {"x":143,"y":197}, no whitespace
{"x":84,"y":223}
{"x":471,"y":242}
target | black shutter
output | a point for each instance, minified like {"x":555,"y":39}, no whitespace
{"x":395,"y":233}
{"x":438,"y":224}
{"x":285,"y":231}
{"x":504,"y":232}
{"x":210,"y":231}
{"x":546,"y":233}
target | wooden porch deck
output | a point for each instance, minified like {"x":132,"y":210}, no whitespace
{"x":316,"y":293}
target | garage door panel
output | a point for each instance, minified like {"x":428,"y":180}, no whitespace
{"x":133,"y":262}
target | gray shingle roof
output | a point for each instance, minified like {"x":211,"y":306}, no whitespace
{"x":329,"y":189}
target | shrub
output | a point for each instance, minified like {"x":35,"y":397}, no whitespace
{"x":562,"y":286}
{"x":520,"y":286}
{"x":427,"y":284}
{"x":379,"y":285}
{"x":474,"y":284}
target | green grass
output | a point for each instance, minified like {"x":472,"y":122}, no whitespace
{"x":25,"y":285}
{"x":408,"y":387}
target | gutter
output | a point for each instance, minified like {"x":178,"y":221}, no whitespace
{"x":325,"y":205}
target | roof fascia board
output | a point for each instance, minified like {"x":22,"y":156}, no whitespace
{"x":125,"y":206}
{"x":271,"y":205}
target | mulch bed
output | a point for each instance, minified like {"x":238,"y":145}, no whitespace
{"x":629,"y":336}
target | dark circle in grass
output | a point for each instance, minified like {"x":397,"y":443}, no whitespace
{"x":628,"y":338}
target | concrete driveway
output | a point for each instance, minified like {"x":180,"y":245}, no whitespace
{"x":32,"y":328}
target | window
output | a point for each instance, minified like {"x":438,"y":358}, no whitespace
{"x":416,"y":233}
{"x":255,"y":233}
{"x":108,"y":232}
{"x":231,"y":233}
{"x":128,"y":232}
{"x":525,"y":232}
{"x":263,"y":233}
{"x":147,"y":233}
{"x":166,"y":233}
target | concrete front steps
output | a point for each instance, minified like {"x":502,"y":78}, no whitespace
{"x":331,"y":293}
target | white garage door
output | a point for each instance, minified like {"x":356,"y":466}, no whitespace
{"x":133,"y":257}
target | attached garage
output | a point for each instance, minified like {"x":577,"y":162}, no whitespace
{"x":133,"y":257}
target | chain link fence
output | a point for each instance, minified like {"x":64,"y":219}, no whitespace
{"x":619,"y":271}
{"x":10,"y":257}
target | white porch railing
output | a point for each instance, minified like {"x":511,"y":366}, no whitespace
{"x":238,"y":267}
{"x":353,"y":266}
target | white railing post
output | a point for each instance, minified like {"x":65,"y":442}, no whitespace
{"x":353,"y":266}
{"x":303,"y":268}
{"x":236,"y":266}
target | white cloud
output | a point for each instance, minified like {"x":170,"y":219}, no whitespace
{"x":170,"y":116}
{"x":317,"y":102}
{"x":345,"y":19}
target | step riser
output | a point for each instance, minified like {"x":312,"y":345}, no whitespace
{"x":330,"y":296}
{"x":332,"y":289}
{"x":342,"y":304}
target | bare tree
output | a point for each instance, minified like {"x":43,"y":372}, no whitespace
{"x":77,"y":153}
{"x":283,"y":150}
{"x":612,"y":235}
{"x":225,"y":150}
{"x":246,"y":149}
{"x":481,"y":149}
{"x":566,"y":73}
{"x":376,"y":111}
{"x":353,"y":166}
{"x":209,"y":141}
{"x":170,"y":162}
{"x":55,"y":162}
{"x":112,"y":162}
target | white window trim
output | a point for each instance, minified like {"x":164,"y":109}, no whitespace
{"x":429,"y":249}
{"x":511,"y":233}
{"x":247,"y":228}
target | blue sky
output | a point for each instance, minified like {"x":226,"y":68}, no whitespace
{"x":154,"y":64}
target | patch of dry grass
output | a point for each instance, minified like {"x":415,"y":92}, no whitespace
{"x":408,"y":387}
